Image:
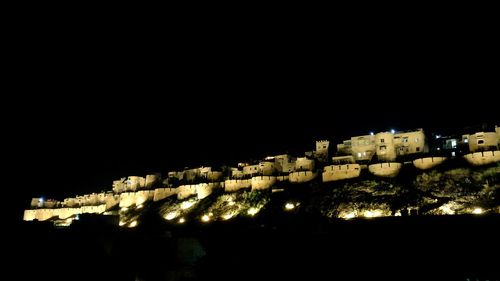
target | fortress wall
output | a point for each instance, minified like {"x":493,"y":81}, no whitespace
{"x":151,"y":180}
{"x":387,"y":170}
{"x":302,"y":176}
{"x":162,"y":193}
{"x":262,"y":182}
{"x":184,"y":191}
{"x":282,"y":178}
{"x":428,"y":162}
{"x":93,"y":209}
{"x":214,"y":175}
{"x":340,"y":172}
{"x":234,"y":185}
{"x":203,"y":190}
{"x":483,"y":158}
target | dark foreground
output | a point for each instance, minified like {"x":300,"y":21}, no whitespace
{"x":284,"y":248}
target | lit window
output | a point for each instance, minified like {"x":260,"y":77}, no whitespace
{"x":453,"y":144}
{"x":416,"y":139}
{"x":453,"y":153}
{"x":364,"y":153}
{"x":359,"y":154}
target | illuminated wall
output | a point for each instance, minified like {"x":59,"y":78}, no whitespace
{"x":162,"y":193}
{"x":386,"y":150}
{"x":483,"y":158}
{"x":263,"y":182}
{"x":304,"y":164}
{"x":237,"y":184}
{"x":363,"y":147}
{"x":409,"y":142}
{"x":483,"y":141}
{"x":128,"y":199}
{"x":428,"y":162}
{"x":388,"y":170}
{"x":185,"y":191}
{"x":302,"y":176}
{"x":340,"y":172}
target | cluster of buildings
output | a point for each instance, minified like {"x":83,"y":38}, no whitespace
{"x":382,"y":154}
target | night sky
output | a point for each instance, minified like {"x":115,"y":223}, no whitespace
{"x":93,"y":108}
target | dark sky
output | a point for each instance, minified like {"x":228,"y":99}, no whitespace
{"x":90,"y":107}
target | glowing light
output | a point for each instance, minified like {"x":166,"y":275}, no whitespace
{"x":269,"y":158}
{"x":393,"y":131}
{"x":182,"y":220}
{"x":446,"y":209}
{"x":438,"y":136}
{"x":133,"y":224}
{"x":349,"y":216}
{"x":122,"y":223}
{"x":397,"y":214}
{"x":205,"y":218}
{"x":252,"y":211}
{"x":124,"y":209}
{"x":171,"y":215}
{"x":289,"y":206}
{"x":477,"y":211}
{"x":231,"y":203}
{"x":186,"y":205}
{"x":372,"y":214}
{"x":228,"y":216}
{"x":140,"y":206}
{"x":77,"y":217}
{"x":371,"y":133}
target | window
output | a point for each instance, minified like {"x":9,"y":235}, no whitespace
{"x":359,"y":154}
{"x":453,"y":144}
{"x":416,"y":139}
{"x":405,"y":139}
{"x":324,"y":146}
{"x":480,"y":141}
{"x":381,"y":140}
{"x":453,"y":153}
{"x":382,"y":147}
{"x":418,"y":149}
{"x":364,"y":153}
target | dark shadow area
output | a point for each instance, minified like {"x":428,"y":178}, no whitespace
{"x":284,"y":247}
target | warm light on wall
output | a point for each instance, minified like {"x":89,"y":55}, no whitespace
{"x":289,"y":206}
{"x":205,"y":218}
{"x":252,"y":211}
{"x":140,"y":206}
{"x":186,"y":205}
{"x":133,"y":224}
{"x":171,"y":215}
{"x":348,"y":216}
{"x":182,"y":220}
{"x":477,"y":211}
{"x":228,"y":216}
{"x":372,"y":214}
